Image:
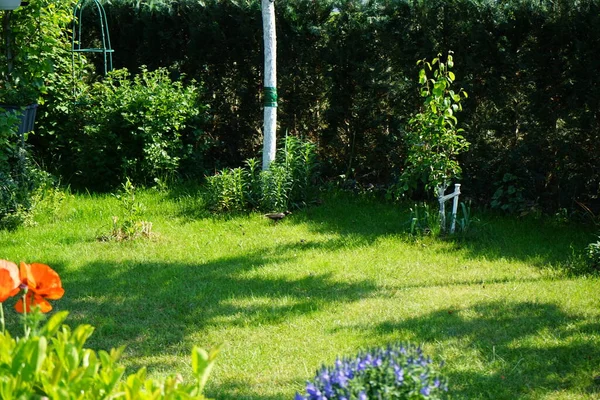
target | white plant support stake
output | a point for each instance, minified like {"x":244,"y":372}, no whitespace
{"x":442,"y":198}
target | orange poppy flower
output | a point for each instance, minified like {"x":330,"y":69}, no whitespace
{"x":9,"y":280}
{"x":43,"y":284}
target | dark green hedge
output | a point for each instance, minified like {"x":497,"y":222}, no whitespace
{"x":348,"y":80}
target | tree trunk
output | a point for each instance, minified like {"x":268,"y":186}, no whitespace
{"x":270,"y":83}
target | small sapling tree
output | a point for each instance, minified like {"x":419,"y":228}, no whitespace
{"x":433,"y":138}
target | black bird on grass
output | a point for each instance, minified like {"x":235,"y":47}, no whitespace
{"x":278,"y":216}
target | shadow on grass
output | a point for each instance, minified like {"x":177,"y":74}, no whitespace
{"x":538,"y":242}
{"x":362,"y":220}
{"x":510,"y":350}
{"x":151,"y":307}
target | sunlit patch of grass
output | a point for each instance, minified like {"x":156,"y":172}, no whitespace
{"x":501,"y":307}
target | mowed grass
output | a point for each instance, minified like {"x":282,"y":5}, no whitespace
{"x":500,"y":308}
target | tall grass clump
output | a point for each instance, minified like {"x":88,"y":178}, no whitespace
{"x":288,"y":183}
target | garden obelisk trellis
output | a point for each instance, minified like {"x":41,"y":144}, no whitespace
{"x":104,"y":48}
{"x":270,"y":83}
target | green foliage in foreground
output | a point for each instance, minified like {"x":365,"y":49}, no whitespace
{"x":503,"y":310}
{"x":52,"y":362}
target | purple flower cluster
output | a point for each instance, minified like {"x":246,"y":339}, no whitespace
{"x":396,"y":372}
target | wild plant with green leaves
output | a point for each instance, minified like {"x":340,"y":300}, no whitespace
{"x":277,"y":184}
{"x":288,"y":183}
{"x":226,"y":190}
{"x":53,"y":362}
{"x":424,"y":220}
{"x":592,"y":253}
{"x":252,"y":182}
{"x":19,"y":177}
{"x":130,"y":225}
{"x":508,"y":196}
{"x":433,"y":138}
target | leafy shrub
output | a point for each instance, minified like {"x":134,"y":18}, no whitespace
{"x":288,"y":183}
{"x":38,"y":41}
{"x":508,"y":196}
{"x":139,"y":127}
{"x":19,"y":177}
{"x":228,"y":190}
{"x":396,"y":372}
{"x":51,"y":361}
{"x":592,"y":252}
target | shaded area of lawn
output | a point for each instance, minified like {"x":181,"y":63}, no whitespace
{"x":540,"y":242}
{"x":525,"y":348}
{"x":151,"y":306}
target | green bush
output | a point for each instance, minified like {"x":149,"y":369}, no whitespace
{"x":19,"y":177}
{"x":288,"y":183}
{"x":508,"y":196}
{"x":139,"y":127}
{"x":592,"y":252}
{"x":34,"y":42}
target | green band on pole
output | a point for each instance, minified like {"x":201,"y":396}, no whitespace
{"x":270,"y":97}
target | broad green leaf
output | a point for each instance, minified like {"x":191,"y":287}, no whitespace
{"x":422,"y":76}
{"x":54,"y":323}
{"x":202,"y":364}
{"x":40,"y":354}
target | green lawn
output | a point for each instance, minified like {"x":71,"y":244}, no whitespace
{"x":499,"y":308}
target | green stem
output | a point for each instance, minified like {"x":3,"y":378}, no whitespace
{"x":2,"y":317}
{"x":25,"y":328}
